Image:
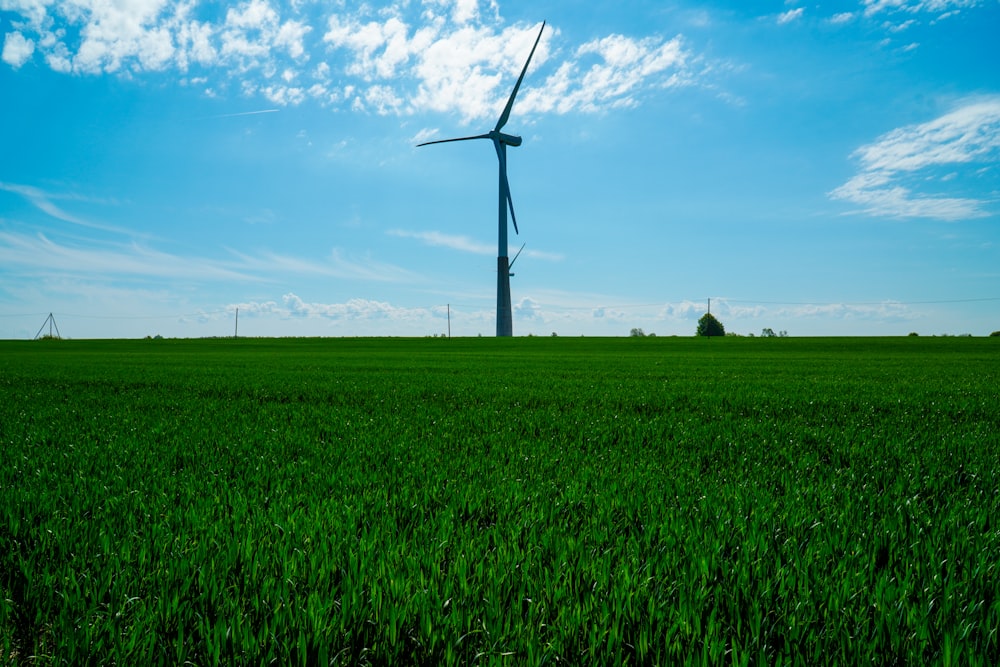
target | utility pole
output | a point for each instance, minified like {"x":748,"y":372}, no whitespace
{"x":236,"y":332}
{"x":707,"y":324}
{"x":51,"y":321}
{"x":449,"y":321}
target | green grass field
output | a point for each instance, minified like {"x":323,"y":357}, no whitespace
{"x":513,"y":501}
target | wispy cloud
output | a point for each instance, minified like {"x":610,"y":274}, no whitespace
{"x":466,"y":244}
{"x":908,"y":157}
{"x":913,"y":6}
{"x":43,"y":201}
{"x":40,"y":255}
{"x":37,"y":254}
{"x":544,"y":255}
{"x":453,"y":241}
{"x":338,"y":264}
{"x":368,"y":268}
{"x":426,"y":134}
{"x":790,"y":15}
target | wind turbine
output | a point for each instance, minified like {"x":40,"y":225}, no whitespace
{"x":500,"y":142}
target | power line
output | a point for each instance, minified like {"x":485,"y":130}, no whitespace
{"x":856,"y":303}
{"x":144,"y":317}
{"x":541,"y":304}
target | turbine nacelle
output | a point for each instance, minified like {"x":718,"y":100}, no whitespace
{"x":507,"y":139}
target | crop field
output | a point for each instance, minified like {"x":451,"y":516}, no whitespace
{"x":650,"y":501}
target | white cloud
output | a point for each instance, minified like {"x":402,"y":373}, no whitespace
{"x":464,"y":72}
{"x":463,"y":11}
{"x":194,"y":44}
{"x":254,"y":30}
{"x":251,"y":16}
{"x":106,"y":36}
{"x":470,"y":69}
{"x":790,"y":15}
{"x":284,"y":95}
{"x":16,"y":49}
{"x":293,"y":306}
{"x":968,"y":135}
{"x":526,"y":308}
{"x":571,"y":312}
{"x":59,"y":60}
{"x":291,"y":36}
{"x":383,"y":100}
{"x":116,"y":32}
{"x":841,"y":18}
{"x":378,"y":48}
{"x":609,"y":73}
{"x":744,"y":312}
{"x":887,"y":310}
{"x":452,"y":56}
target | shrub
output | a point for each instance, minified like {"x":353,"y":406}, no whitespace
{"x":709,"y":326}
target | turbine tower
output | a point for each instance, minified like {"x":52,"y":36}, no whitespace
{"x":500,"y":142}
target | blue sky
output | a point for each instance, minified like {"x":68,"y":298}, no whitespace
{"x":823,"y":168}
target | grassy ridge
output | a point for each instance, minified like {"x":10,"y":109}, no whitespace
{"x":649,"y":501}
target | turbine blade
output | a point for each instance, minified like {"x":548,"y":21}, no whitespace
{"x":511,"y":265}
{"x":505,"y":116}
{"x":445,"y":141}
{"x":502,"y":156}
{"x":510,"y":204}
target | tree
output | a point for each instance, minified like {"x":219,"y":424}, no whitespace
{"x":709,"y":326}
{"x":637,"y":333}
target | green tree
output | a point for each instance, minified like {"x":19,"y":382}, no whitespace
{"x":709,"y":326}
